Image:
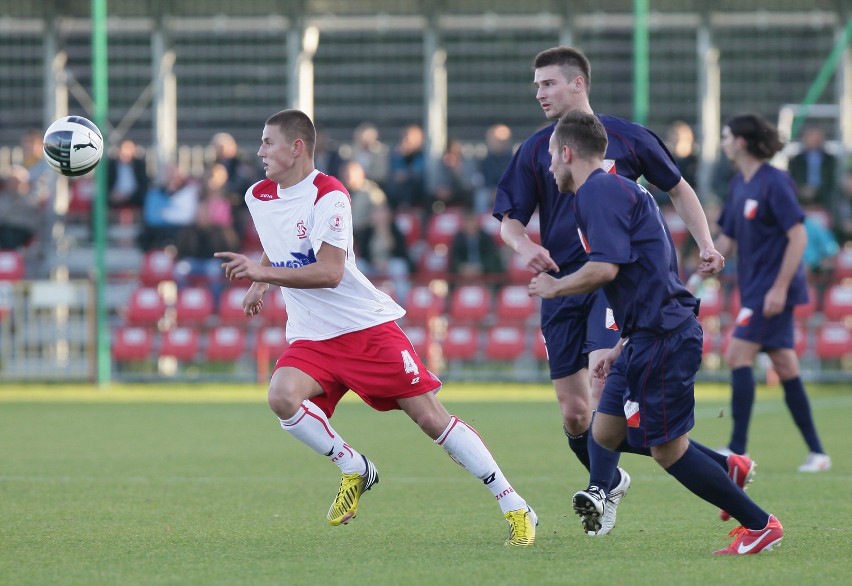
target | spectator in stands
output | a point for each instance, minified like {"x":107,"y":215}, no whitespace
{"x":820,"y":250}
{"x":457,"y":179}
{"x":169,"y":206}
{"x":241,"y":174}
{"x":498,"y":144}
{"x":212,"y":230}
{"x":365,"y":195}
{"x":406,"y":186}
{"x":383,"y":253}
{"x":814,"y":170}
{"x":474,"y":255}
{"x":42,"y":177}
{"x":369,"y":152}
{"x":680,"y":140}
{"x":19,"y":211}
{"x":127,"y":176}
{"x":328,"y":159}
{"x":843,"y":219}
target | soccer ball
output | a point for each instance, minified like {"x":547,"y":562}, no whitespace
{"x":73,"y":145}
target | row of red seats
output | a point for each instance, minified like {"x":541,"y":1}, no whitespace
{"x":831,"y":340}
{"x":835,"y":304}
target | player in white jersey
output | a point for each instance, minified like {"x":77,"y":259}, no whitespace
{"x":342,"y":329}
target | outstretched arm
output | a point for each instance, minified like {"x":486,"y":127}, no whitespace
{"x":688,"y":207}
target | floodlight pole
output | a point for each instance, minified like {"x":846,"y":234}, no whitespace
{"x":100,"y":94}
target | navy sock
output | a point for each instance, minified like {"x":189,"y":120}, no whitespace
{"x":603,"y":470}
{"x":742,"y":401}
{"x":579,"y":445}
{"x":800,"y":409}
{"x":713,"y":454}
{"x":696,"y":472}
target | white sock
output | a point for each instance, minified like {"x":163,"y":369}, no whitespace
{"x":464,"y":445}
{"x":311,"y":427}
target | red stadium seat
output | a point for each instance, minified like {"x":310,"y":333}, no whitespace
{"x":806,"y":311}
{"x":157,"y":266}
{"x":271,"y":342}
{"x":461,"y":343}
{"x":230,"y":309}
{"x":712,"y":299}
{"x":837,"y":303}
{"x":433,"y":264}
{"x":181,"y":343}
{"x":514,"y":304}
{"x":145,"y":307}
{"x":505,"y":343}
{"x":843,"y":264}
{"x":517,"y":272}
{"x":422,"y":304}
{"x":442,"y":228}
{"x":194,"y":306}
{"x":11,"y":265}
{"x":225,"y":344}
{"x":470,"y":303}
{"x":132,"y":343}
{"x":274,"y":310}
{"x":411,"y":226}
{"x":834,"y":341}
{"x":419,"y":337}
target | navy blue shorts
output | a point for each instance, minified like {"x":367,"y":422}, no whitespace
{"x":572,"y":327}
{"x":652,"y":385}
{"x":769,"y":332}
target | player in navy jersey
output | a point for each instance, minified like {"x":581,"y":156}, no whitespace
{"x":342,"y":330}
{"x":649,"y":392}
{"x":579,"y":329}
{"x":763,"y":220}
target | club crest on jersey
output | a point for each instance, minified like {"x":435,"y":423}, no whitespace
{"x":631,"y":412}
{"x":336,"y":223}
{"x":750,"y":209}
{"x":609,"y":166}
{"x":301,"y":230}
{"x":584,"y":242}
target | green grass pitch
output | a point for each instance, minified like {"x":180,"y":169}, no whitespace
{"x":153,"y":485}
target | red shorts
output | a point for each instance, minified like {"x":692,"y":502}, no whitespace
{"x":378,"y":363}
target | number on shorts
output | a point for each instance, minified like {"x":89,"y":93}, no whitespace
{"x":409,"y":363}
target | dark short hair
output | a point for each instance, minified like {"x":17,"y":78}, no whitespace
{"x":295,"y":124}
{"x":761,"y":137}
{"x":567,"y":58}
{"x":583,"y":132}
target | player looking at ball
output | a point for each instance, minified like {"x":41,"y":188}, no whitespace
{"x":649,"y":393}
{"x":342,"y":330}
{"x":762,"y":219}
{"x":579,"y":329}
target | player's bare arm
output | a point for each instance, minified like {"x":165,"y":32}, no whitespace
{"x":326,"y":272}
{"x":688,"y":207}
{"x":535,"y":257}
{"x":591,"y":277}
{"x":776,"y":298}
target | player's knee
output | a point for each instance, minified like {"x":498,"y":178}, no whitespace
{"x":576,"y":421}
{"x":283,"y":399}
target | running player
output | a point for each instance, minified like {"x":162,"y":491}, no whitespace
{"x":763,"y":220}
{"x":649,"y":395}
{"x":578,"y":330}
{"x":342,"y":330}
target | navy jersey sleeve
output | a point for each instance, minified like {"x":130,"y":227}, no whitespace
{"x":783,"y":203}
{"x":604,"y":220}
{"x":658,"y":165}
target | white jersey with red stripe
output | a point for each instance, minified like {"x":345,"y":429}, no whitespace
{"x":293,"y":224}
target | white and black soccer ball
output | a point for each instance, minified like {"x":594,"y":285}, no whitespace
{"x":73,"y":145}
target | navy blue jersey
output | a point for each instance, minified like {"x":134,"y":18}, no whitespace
{"x":633,"y":151}
{"x":757,"y":215}
{"x":620,"y":223}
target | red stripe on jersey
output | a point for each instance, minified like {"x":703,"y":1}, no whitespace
{"x":265,"y":190}
{"x":325,"y":184}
